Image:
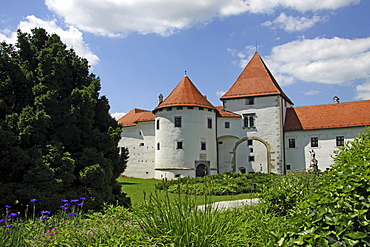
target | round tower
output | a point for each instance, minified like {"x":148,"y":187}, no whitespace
{"x":185,"y":134}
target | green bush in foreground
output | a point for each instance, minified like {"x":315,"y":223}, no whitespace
{"x":338,"y":212}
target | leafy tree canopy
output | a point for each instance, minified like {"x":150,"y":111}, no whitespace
{"x":57,"y":139}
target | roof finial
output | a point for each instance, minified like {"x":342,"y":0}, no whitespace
{"x":185,"y":72}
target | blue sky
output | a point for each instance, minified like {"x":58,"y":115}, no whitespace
{"x":316,"y":49}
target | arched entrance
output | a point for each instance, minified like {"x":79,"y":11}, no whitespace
{"x":268,"y":148}
{"x":201,"y":170}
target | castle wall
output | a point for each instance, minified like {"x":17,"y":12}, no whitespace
{"x":140,"y":142}
{"x":298,"y":158}
{"x":170,"y":161}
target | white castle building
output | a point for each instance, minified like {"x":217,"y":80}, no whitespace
{"x":257,"y":129}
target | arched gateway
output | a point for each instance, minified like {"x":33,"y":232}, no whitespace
{"x":268,"y":148}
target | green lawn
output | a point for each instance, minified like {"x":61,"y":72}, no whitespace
{"x":137,"y":188}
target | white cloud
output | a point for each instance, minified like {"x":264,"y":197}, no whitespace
{"x":117,"y":115}
{"x":163,"y":17}
{"x":312,"y":92}
{"x":331,"y":61}
{"x":363,"y":91}
{"x":219,"y":93}
{"x":291,"y":23}
{"x":265,"y":6}
{"x":71,"y":36}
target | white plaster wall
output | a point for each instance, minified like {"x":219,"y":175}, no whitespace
{"x":140,"y":142}
{"x":299,"y":158}
{"x":268,"y":112}
{"x":194,"y":130}
{"x":225,"y":146}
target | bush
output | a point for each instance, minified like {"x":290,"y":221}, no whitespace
{"x":338,"y":212}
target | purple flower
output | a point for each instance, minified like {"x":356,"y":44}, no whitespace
{"x":64,"y":200}
{"x":7,"y":206}
{"x":82,"y":198}
{"x":10,"y":226}
{"x":79,"y":204}
{"x":2,"y":221}
{"x":64,"y":208}
{"x":13,"y":215}
{"x":45,"y":212}
{"x":73,"y":201}
{"x":67,"y":204}
{"x":72,"y":214}
{"x":43,"y":218}
{"x":33,"y":200}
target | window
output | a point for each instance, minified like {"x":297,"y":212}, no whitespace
{"x":190,"y":107}
{"x":169,"y":109}
{"x":250,"y":142}
{"x":227,"y":125}
{"x":141,"y":144}
{"x":203,"y":146}
{"x":158,"y":146}
{"x":177,"y":121}
{"x":201,"y":108}
{"x":251,"y":158}
{"x":251,"y":150}
{"x":179,"y":108}
{"x":179,"y":145}
{"x":291,"y":143}
{"x":340,"y":141}
{"x":249,"y":101}
{"x":157,"y":124}
{"x":209,"y":123}
{"x":288,"y":167}
{"x":314,"y":142}
{"x":249,"y":120}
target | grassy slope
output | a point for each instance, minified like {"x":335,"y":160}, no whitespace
{"x":137,"y":187}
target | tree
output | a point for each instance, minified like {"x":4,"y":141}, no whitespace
{"x":57,"y":139}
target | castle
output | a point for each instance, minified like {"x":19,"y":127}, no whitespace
{"x":257,"y":129}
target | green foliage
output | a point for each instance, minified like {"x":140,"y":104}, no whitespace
{"x":180,"y":223}
{"x":57,"y":137}
{"x":219,"y":184}
{"x":282,"y":194}
{"x":337,"y":213}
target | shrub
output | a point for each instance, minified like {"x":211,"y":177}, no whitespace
{"x":338,"y":212}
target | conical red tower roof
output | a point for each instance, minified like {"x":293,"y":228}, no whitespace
{"x":185,"y":94}
{"x":255,"y":80}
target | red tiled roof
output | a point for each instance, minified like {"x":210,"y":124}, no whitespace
{"x":185,"y":94}
{"x":349,"y":114}
{"x":255,"y":80}
{"x":222,"y":113}
{"x":135,"y":116}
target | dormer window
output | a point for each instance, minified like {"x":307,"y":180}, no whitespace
{"x":249,"y":101}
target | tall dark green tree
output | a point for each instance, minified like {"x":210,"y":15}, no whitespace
{"x":57,"y":139}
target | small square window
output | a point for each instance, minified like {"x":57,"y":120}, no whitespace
{"x":249,"y":101}
{"x":179,"y":145}
{"x":251,"y":158}
{"x":177,"y":121}
{"x":340,"y":141}
{"x":141,"y":144}
{"x":203,"y":146}
{"x":227,"y":125}
{"x":209,"y":123}
{"x":250,"y":142}
{"x":288,"y":167}
{"x":314,"y":142}
{"x":291,"y":143}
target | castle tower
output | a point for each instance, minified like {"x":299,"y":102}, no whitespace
{"x":259,"y":100}
{"x":185,"y":134}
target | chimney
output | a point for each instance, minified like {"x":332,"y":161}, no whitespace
{"x":336,"y":100}
{"x":160,"y":99}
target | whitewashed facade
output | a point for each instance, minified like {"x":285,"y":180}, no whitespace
{"x":256,"y":130}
